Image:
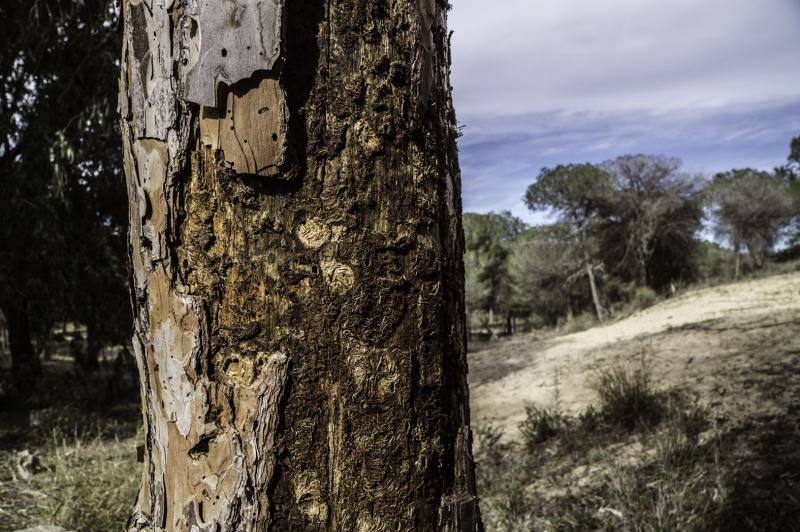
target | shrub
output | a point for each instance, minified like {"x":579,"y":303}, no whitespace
{"x":588,"y":419}
{"x":579,"y":323}
{"x":541,"y":424}
{"x":675,"y":480}
{"x":627,"y":396}
{"x":644,"y":297}
{"x":681,"y":446}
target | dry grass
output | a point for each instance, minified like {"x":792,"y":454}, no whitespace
{"x":601,"y":478}
{"x":685,"y":469}
{"x":83,"y":482}
{"x":81,"y":431}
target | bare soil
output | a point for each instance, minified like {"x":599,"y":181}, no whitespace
{"x":735,"y":347}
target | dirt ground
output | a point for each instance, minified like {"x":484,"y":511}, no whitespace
{"x":735,"y":347}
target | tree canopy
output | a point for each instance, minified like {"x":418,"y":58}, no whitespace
{"x":751,"y":208}
{"x":654,"y":205}
{"x":634,"y":221}
{"x":63,"y":211}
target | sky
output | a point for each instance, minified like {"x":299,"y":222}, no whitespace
{"x":545,"y":82}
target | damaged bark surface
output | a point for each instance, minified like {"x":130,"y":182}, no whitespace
{"x":299,"y":302}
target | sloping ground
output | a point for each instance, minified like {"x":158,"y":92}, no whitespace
{"x":736,"y":347}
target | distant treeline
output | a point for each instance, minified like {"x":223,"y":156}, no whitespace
{"x":627,"y":228}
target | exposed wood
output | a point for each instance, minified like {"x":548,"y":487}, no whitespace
{"x":248,"y":130}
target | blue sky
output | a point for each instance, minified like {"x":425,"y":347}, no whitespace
{"x":543,"y":82}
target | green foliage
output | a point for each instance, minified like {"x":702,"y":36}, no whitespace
{"x":644,"y":297}
{"x":630,"y":220}
{"x":750,"y":209}
{"x":791,"y":253}
{"x":794,"y":152}
{"x":789,"y":173}
{"x":477,"y":290}
{"x":713,"y":261}
{"x":489,"y":239}
{"x":573,"y":191}
{"x":649,"y":222}
{"x":633,"y":222}
{"x":542,"y":262}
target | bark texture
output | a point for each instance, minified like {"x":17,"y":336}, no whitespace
{"x":300,"y":331}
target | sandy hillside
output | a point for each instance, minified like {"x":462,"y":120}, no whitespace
{"x":711,"y":341}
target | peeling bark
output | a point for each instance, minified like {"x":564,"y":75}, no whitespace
{"x":299,"y":325}
{"x":230,"y":41}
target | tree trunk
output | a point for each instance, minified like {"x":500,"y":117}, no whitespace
{"x":297,"y":266}
{"x":737,"y":267}
{"x":598,"y":307}
{"x":642,"y":280}
{"x":756,"y":255}
{"x":89,"y":358}
{"x":25,"y":363}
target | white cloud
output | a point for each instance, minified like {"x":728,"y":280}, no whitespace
{"x":523,"y":56}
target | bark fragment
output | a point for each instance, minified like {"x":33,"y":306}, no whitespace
{"x":232,"y":40}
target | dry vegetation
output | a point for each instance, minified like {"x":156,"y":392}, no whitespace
{"x":684,"y":416}
{"x":73,"y":462}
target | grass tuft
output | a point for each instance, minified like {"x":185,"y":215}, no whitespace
{"x":592,"y":474}
{"x":627,"y":396}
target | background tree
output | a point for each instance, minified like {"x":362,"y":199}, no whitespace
{"x":476,"y":288}
{"x":62,"y":213}
{"x":751,"y":208}
{"x":299,"y":316}
{"x":790,"y":174}
{"x":574,"y":192}
{"x":653,"y":212}
{"x":488,"y":242}
{"x":791,"y":170}
{"x":545,"y":265}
